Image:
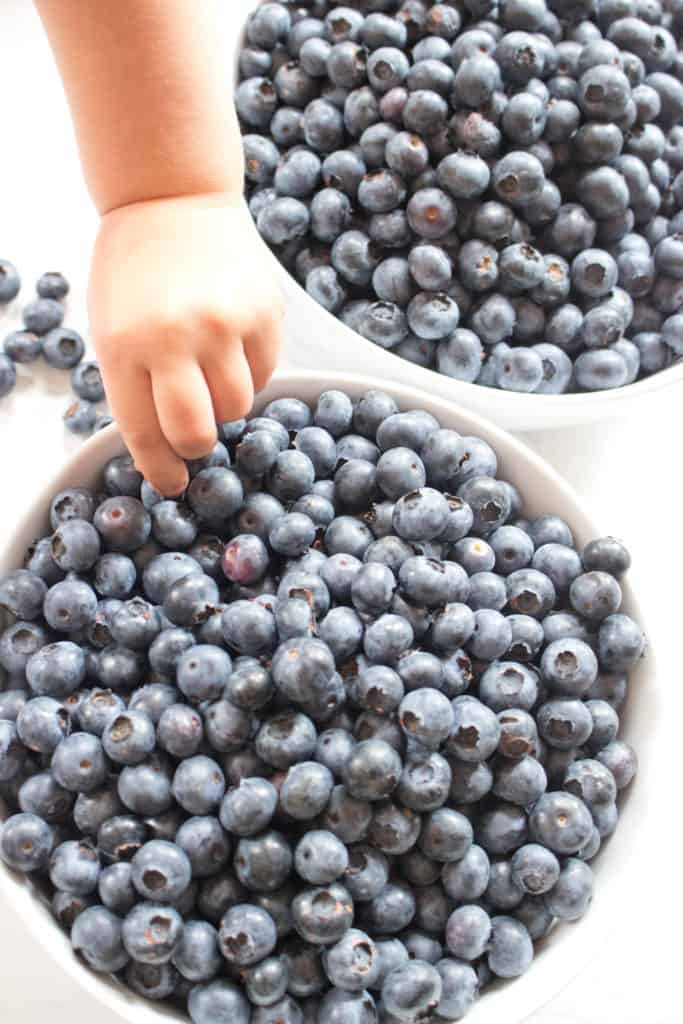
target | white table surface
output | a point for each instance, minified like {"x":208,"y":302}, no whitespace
{"x":629,"y":473}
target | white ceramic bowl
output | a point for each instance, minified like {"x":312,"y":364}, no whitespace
{"x":323,"y":341}
{"x":568,"y":949}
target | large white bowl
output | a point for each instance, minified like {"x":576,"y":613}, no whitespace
{"x":618,"y":867}
{"x":317,"y":338}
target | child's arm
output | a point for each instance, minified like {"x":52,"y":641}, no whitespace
{"x":185,"y":319}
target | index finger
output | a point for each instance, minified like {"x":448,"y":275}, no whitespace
{"x":132,"y":405}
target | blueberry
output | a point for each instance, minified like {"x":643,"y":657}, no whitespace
{"x":216,"y":1000}
{"x":98,"y":937}
{"x":205,"y":845}
{"x":621,"y":760}
{"x":420,"y":668}
{"x":86,"y":381}
{"x":123,"y":523}
{"x":268,"y":25}
{"x":145,"y":788}
{"x":446,"y":835}
{"x":306,"y":790}
{"x":153,"y":981}
{"x":22,"y":594}
{"x":466,"y":880}
{"x":373,"y":771}
{"x":605,"y":724}
{"x":11,"y":703}
{"x":42,"y":723}
{"x":331,"y":215}
{"x":115,"y":575}
{"x":8,"y":375}
{"x":459,"y":988}
{"x":379,"y":689}
{"x":75,"y":868}
{"x":247,"y":934}
{"x":226,"y":726}
{"x":79,"y":763}
{"x":426,"y":716}
{"x":510,"y":951}
{"x":198,"y":784}
{"x":10,"y":282}
{"x":262,"y":863}
{"x":468,"y":931}
{"x":501,"y":830}
{"x":43,"y":316}
{"x":203,"y":672}
{"x":562,"y":822}
{"x":671,"y":333}
{"x":249,"y":686}
{"x":592,"y":782}
{"x":256,"y":100}
{"x":320,"y":857}
{"x":353,"y":963}
{"x":180,"y":731}
{"x":66,"y":908}
{"x":266,"y":983}
{"x":620,"y":643}
{"x":26,"y":842}
{"x":571,"y":896}
{"x":393,"y":829}
{"x":564,"y":724}
{"x":21,"y":347}
{"x":102,"y":421}
{"x":283,"y":220}
{"x":412,"y":990}
{"x":42,"y":796}
{"x":323,"y":915}
{"x":569,"y":666}
{"x":595,"y":595}
{"x":491,"y":636}
{"x":129,"y":738}
{"x":174,"y":525}
{"x":286,"y":1010}
{"x":520,"y":782}
{"x":80,"y":417}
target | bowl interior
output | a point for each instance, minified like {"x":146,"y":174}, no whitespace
{"x":509,"y":409}
{"x":568,"y":948}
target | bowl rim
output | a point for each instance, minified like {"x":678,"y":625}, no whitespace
{"x":508,"y":402}
{"x":551,"y":970}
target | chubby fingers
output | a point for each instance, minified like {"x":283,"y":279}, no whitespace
{"x":229,"y":380}
{"x":131,"y":398}
{"x":262,"y":344}
{"x":184,"y":407}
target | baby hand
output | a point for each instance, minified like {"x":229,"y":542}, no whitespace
{"x":186,"y":319}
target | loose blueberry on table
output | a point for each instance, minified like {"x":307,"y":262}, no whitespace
{"x":494,"y":192}
{"x":61,"y":348}
{"x":287,"y":772}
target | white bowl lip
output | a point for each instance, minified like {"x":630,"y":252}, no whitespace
{"x":549,"y":974}
{"x":509,"y":403}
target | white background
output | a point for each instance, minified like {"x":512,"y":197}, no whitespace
{"x":629,"y":473}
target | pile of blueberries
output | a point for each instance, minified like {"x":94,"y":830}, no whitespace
{"x":491,"y":190}
{"x":60,"y":347}
{"x":331,"y":739}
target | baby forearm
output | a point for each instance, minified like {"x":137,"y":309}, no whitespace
{"x":148,"y":82}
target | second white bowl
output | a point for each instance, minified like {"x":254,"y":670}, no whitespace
{"x":317,"y":338}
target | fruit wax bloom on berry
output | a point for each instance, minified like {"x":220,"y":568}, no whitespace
{"x":445,"y":185}
{"x":344,"y":722}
